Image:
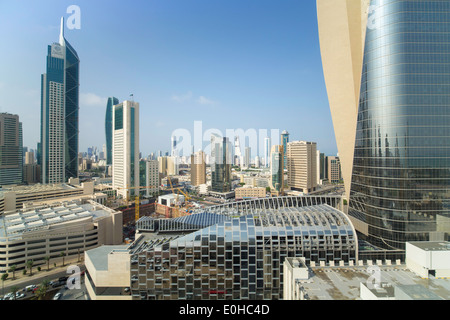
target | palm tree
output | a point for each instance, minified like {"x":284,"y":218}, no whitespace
{"x":47,"y":258}
{"x":4,"y":277}
{"x":62,"y":254}
{"x":13,"y":270}
{"x":42,"y":290}
{"x":30,"y":266}
{"x":14,"y":291}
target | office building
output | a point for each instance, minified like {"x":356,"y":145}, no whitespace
{"x":284,"y":142}
{"x":248,"y":192}
{"x":388,"y":83}
{"x":221,"y":164}
{"x":277,"y":170}
{"x":151,"y":177}
{"x":302,"y":163}
{"x":267,"y":149}
{"x":126,"y":148}
{"x":247,"y":157}
{"x":323,"y":167}
{"x":59,"y":113}
{"x":107,"y":149}
{"x":173,"y":145}
{"x":198,"y":168}
{"x":11,"y":150}
{"x":334,"y":169}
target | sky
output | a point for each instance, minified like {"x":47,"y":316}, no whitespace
{"x":229,"y":65}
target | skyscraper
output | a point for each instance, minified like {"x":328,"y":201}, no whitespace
{"x":247,"y":158}
{"x":398,"y":112}
{"x":108,"y":128}
{"x":277,"y":170}
{"x":267,"y":146}
{"x":59,"y":112}
{"x":302,"y":166}
{"x":11,"y":150}
{"x":221,"y":164}
{"x":284,"y":142}
{"x":198,"y":168}
{"x":125,"y":151}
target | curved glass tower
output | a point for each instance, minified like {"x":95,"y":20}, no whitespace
{"x":400,"y":188}
{"x":108,"y":128}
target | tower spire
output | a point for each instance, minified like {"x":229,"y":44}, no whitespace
{"x":61,"y":33}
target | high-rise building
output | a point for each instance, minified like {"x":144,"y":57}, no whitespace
{"x":11,"y":150}
{"x":386,"y":67}
{"x":109,"y":129}
{"x":284,"y":142}
{"x":323,"y":167}
{"x":59,"y":112}
{"x":220,"y":164}
{"x":334,"y":169}
{"x":267,"y":147}
{"x":173,"y":146}
{"x":198,"y":168}
{"x":247,"y":158}
{"x":302,"y":162}
{"x":151,"y":177}
{"x":238,"y":158}
{"x":277,"y":170}
{"x":125,"y":151}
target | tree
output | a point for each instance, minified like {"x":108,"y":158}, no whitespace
{"x":4,"y":277}
{"x":62,"y":254}
{"x":47,"y":259}
{"x":13,"y":270}
{"x":14,"y":291}
{"x":42,"y":290}
{"x":30,"y":264}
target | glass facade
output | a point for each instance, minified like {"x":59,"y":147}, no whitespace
{"x":284,"y":142}
{"x":401,"y":173}
{"x":221,"y":164}
{"x":240,"y":254}
{"x":108,"y":128}
{"x":11,"y":160}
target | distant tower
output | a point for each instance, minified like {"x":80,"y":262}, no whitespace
{"x":267,"y":146}
{"x":284,"y":142}
{"x":108,"y":128}
{"x":59,"y":112}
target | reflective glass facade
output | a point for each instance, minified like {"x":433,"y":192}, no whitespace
{"x":401,"y":172}
{"x":108,"y":128}
{"x":11,"y":142}
{"x":241,"y":254}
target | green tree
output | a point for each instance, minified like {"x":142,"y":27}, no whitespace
{"x":62,"y":254}
{"x":47,"y":259}
{"x":30,"y":264}
{"x":13,"y":270}
{"x":42,"y":290}
{"x":14,"y":290}
{"x":4,"y":277}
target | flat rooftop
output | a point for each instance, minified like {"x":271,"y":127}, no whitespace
{"x":37,"y":188}
{"x":343,"y":283}
{"x":432,"y":246}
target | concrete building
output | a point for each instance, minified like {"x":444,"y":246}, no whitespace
{"x":429,"y":259}
{"x":334,"y":169}
{"x":151,"y":177}
{"x":126,"y":148}
{"x":249,"y":192}
{"x":342,"y":31}
{"x":11,"y":150}
{"x":198,"y":168}
{"x":302,"y":166}
{"x":46,"y":231}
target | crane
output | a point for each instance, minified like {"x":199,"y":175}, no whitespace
{"x":186,"y":196}
{"x":136,"y":199}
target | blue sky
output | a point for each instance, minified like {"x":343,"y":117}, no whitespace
{"x":235,"y":64}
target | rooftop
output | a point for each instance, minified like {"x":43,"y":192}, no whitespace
{"x":432,"y":246}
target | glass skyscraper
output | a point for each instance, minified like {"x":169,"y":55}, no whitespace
{"x":59,"y":113}
{"x":108,"y":128}
{"x":221,"y":164}
{"x":400,"y":187}
{"x":284,"y":142}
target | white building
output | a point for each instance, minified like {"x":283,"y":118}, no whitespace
{"x":267,"y":147}
{"x":429,"y":258}
{"x":126,"y":148}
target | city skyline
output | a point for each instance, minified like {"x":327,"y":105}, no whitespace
{"x":254,"y":58}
